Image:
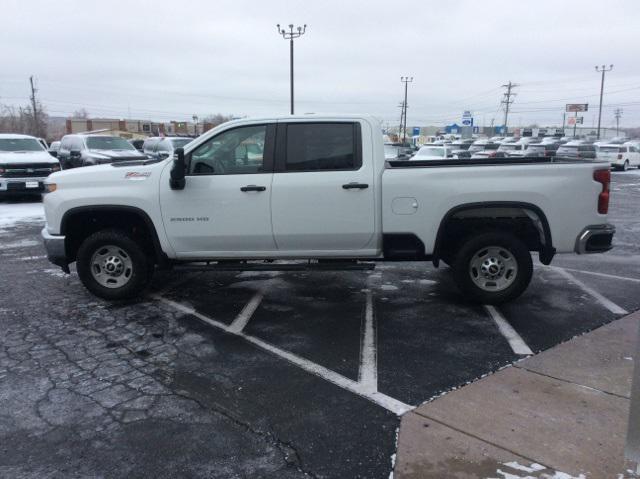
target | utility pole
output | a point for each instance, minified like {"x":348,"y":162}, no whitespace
{"x":195,"y":124}
{"x":36,"y":129}
{"x":406,"y":81}
{"x":507,"y":101}
{"x":604,"y":70}
{"x":618,"y":115}
{"x":291,"y":35}
{"x":401,"y":105}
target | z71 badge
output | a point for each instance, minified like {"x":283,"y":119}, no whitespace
{"x":137,"y":175}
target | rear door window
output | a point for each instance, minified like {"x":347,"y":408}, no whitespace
{"x":321,"y":147}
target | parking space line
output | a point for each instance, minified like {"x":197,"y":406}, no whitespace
{"x":513,"y":338}
{"x":387,"y":402}
{"x":368,"y":372}
{"x":610,"y":305}
{"x":243,"y":318}
{"x":604,"y":275}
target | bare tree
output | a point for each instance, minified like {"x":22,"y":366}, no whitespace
{"x":217,"y":119}
{"x":81,"y":113}
{"x":22,"y":120}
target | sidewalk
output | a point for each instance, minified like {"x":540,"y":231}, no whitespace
{"x":559,"y":414}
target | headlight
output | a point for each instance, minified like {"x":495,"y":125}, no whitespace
{"x":50,"y":187}
{"x":55,"y":168}
{"x":2,"y":170}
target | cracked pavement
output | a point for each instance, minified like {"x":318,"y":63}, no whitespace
{"x":140,"y":389}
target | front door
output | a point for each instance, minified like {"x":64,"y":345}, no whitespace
{"x":322,"y":201}
{"x":225,"y":207}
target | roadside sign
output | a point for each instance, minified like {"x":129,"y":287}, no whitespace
{"x":416,"y":131}
{"x":467,"y":118}
{"x":574,"y":107}
{"x":575,"y":120}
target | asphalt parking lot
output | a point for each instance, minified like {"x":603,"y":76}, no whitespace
{"x":266,"y":374}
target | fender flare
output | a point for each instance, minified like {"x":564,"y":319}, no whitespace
{"x":546,"y":253}
{"x":159,"y":252}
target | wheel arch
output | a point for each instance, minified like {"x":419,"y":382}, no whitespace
{"x":79,"y":222}
{"x":535,"y":214}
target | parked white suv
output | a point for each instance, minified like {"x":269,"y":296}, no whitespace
{"x":318,"y":188}
{"x":24,"y":164}
{"x":621,"y":157}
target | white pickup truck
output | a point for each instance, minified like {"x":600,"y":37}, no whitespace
{"x":267,"y":193}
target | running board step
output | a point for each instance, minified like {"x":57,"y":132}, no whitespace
{"x":276,"y":266}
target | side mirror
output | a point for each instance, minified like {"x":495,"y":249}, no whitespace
{"x":163,"y":155}
{"x":54,"y":153}
{"x":177,"y":181}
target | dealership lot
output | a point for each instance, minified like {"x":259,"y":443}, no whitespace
{"x":266,"y":374}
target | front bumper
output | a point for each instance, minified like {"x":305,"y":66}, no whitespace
{"x":595,"y":239}
{"x":55,"y":248}
{"x":22,"y":185}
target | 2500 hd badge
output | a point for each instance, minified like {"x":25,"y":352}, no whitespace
{"x":190,"y":218}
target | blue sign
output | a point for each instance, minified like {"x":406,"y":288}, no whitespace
{"x":416,"y":131}
{"x":467,"y":122}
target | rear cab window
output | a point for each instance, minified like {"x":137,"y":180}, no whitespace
{"x":322,"y":146}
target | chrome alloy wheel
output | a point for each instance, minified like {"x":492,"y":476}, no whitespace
{"x":111,"y":266}
{"x":493,"y":268}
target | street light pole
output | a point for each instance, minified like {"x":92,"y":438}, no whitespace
{"x":291,"y":35}
{"x":406,"y":81}
{"x":602,"y":69}
{"x":195,"y":124}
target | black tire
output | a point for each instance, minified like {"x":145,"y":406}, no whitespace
{"x":625,"y":167}
{"x":462,"y":267}
{"x":140,"y":271}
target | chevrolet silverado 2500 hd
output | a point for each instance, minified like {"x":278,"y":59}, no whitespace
{"x":253,"y":193}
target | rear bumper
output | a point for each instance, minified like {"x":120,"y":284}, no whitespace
{"x":55,"y":248}
{"x":595,"y":239}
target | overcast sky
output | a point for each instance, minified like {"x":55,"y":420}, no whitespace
{"x":168,"y":60}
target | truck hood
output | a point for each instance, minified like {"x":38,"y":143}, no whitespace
{"x":116,"y":155}
{"x":15,"y":158}
{"x":107,"y":174}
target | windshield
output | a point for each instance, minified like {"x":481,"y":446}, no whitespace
{"x":20,"y":144}
{"x":108,"y":143}
{"x":431,"y":151}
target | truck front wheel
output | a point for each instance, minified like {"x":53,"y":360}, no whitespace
{"x":493,"y":268}
{"x":112,"y":265}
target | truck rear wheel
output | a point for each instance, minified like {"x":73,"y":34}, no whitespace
{"x":112,"y":265}
{"x":493,"y":268}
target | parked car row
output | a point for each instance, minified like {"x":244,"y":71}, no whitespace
{"x":621,"y":155}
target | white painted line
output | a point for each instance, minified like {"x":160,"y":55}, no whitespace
{"x":610,"y":305}
{"x":389,"y":403}
{"x":515,"y":341}
{"x":243,"y":318}
{"x":368,"y":373}
{"x":604,"y":275}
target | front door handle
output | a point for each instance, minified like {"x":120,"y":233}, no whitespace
{"x":355,"y":186}
{"x":253,"y":188}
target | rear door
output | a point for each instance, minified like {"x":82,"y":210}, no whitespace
{"x":323,"y":192}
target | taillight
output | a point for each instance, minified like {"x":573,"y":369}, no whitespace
{"x":603,"y":177}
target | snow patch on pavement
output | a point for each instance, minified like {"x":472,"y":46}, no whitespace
{"x":20,"y":244}
{"x":12,"y":214}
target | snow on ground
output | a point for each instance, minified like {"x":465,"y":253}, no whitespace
{"x":12,"y":214}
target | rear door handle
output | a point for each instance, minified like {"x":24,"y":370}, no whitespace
{"x":355,"y":186}
{"x":253,"y":188}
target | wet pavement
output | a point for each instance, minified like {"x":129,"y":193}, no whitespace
{"x":263,"y":374}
